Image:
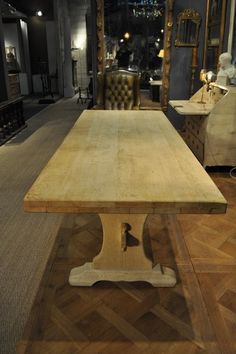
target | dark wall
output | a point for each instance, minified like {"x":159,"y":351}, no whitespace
{"x":181,"y":57}
{"x":36,"y":30}
{"x":38,"y":44}
{"x":3,"y":90}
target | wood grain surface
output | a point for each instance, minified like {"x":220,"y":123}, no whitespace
{"x":197,"y":316}
{"x":124,"y":162}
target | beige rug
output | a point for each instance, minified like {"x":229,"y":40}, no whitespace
{"x":25,"y":238}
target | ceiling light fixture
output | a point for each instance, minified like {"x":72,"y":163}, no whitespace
{"x":39,"y":13}
{"x":127,"y":35}
{"x":149,"y":9}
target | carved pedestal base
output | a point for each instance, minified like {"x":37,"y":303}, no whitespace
{"x":86,"y":275}
{"x":122,"y":257}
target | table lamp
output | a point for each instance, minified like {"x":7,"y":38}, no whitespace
{"x":206,"y":77}
{"x":161,"y":54}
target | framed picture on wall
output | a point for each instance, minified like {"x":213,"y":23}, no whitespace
{"x":215,"y":9}
{"x":214,"y":22}
{"x":11,"y":59}
{"x":10,"y":53}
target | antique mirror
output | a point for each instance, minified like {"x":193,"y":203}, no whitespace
{"x":146,"y":27}
{"x":214,"y":34}
{"x":232,"y":31}
{"x":188,"y":23}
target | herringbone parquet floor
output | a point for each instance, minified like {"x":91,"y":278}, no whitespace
{"x":198,"y":315}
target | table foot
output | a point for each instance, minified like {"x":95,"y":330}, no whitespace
{"x":86,"y":275}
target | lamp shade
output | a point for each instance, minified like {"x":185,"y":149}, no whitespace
{"x":161,"y":53}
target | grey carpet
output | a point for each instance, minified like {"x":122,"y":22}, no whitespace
{"x":26,"y":239}
{"x":32,"y":105}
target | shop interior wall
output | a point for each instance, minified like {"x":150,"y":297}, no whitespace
{"x":26,"y":53}
{"x":181,"y":57}
{"x":52,"y":53}
{"x":38,"y":50}
{"x":3,"y":70}
{"x":11,"y":39}
{"x":77,"y":12}
{"x":180,"y":74}
{"x":37,"y":42}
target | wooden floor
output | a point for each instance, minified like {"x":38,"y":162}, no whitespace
{"x":198,"y":315}
{"x":146,"y":102}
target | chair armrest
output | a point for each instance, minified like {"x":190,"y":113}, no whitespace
{"x":98,"y":106}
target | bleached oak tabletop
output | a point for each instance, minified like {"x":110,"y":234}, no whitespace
{"x":123,"y":165}
{"x":124,"y":162}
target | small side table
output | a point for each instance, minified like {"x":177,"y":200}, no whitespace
{"x":155,"y":89}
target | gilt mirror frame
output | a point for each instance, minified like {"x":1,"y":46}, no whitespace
{"x":188,"y":25}
{"x":218,"y":49}
{"x":231,"y":48}
{"x":167,"y":47}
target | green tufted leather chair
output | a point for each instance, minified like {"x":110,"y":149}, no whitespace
{"x":118,"y":89}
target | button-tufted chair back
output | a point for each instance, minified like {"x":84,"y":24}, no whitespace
{"x":118,"y":90}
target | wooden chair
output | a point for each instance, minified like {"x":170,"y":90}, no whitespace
{"x":118,"y":90}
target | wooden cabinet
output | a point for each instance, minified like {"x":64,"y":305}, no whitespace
{"x":14,"y":84}
{"x":195,"y":135}
{"x":11,"y":119}
{"x":210,"y":124}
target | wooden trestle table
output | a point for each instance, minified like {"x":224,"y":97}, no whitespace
{"x":123,"y":165}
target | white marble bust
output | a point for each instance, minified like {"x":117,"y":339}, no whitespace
{"x":227,"y":69}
